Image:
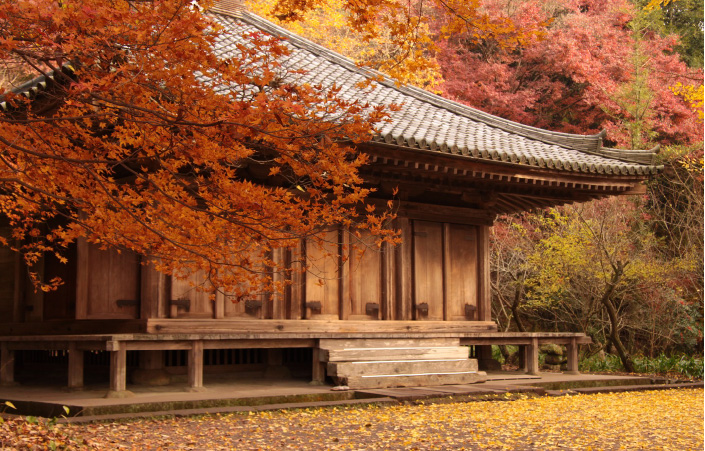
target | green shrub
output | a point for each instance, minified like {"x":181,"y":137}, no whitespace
{"x":683,"y":365}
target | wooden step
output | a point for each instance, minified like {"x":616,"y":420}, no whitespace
{"x":386,"y":342}
{"x":375,"y":368}
{"x":401,"y":353}
{"x":415,"y":380}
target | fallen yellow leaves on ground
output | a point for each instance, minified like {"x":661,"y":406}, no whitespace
{"x":671,"y":419}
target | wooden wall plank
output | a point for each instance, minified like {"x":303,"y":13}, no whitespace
{"x":199,"y":302}
{"x":83,"y":274}
{"x":323,"y":276}
{"x":428,"y":270}
{"x":297,"y":290}
{"x":404,"y":275}
{"x":34,"y":299}
{"x":154,"y":292}
{"x":278,"y":299}
{"x":19,"y":305}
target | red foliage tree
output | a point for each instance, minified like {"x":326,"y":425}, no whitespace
{"x":595,"y":65}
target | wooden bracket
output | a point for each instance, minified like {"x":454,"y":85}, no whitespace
{"x":127,"y":302}
{"x":314,"y":306}
{"x":470,"y":311}
{"x":252,"y":306}
{"x":372,"y":309}
{"x":422,"y":308}
{"x":184,"y":303}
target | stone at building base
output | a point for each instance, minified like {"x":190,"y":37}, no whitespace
{"x":489,"y":365}
{"x":121,"y":394}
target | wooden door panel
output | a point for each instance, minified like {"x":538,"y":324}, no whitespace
{"x":363,"y":297}
{"x":111,"y":283}
{"x":428,"y":270}
{"x":461,"y":272}
{"x":322,"y":293}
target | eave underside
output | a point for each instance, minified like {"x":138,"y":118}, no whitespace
{"x":496,"y":188}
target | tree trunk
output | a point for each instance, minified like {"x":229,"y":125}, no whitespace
{"x":606,"y":301}
{"x":515,"y":309}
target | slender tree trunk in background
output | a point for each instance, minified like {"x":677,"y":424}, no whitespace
{"x":515,"y":309}
{"x":613,"y":315}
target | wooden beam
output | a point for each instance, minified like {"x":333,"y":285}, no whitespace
{"x":458,"y":215}
{"x":314,"y":328}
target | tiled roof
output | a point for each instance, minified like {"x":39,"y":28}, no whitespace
{"x":431,"y":123}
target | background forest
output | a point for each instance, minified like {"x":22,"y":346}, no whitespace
{"x":627,"y":271}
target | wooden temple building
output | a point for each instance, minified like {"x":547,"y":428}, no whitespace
{"x":400,"y":316}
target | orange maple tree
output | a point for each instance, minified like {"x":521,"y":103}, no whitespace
{"x":143,"y":139}
{"x":396,"y":37}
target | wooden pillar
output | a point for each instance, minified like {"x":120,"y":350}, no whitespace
{"x":404,"y":271}
{"x":523,"y":367}
{"x":388,"y":282}
{"x":195,"y":366}
{"x":531,"y":356}
{"x":484,"y":292}
{"x":572,"y":349}
{"x":7,"y":365}
{"x":76,"y":367}
{"x":319,"y":368}
{"x":281,"y":257}
{"x":219,"y":305}
{"x":118,"y":369}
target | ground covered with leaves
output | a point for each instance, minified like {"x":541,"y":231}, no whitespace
{"x":670,"y":419}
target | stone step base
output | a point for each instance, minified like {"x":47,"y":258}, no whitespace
{"x":394,"y":353}
{"x":382,"y":363}
{"x":397,"y":367}
{"x":415,"y":380}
